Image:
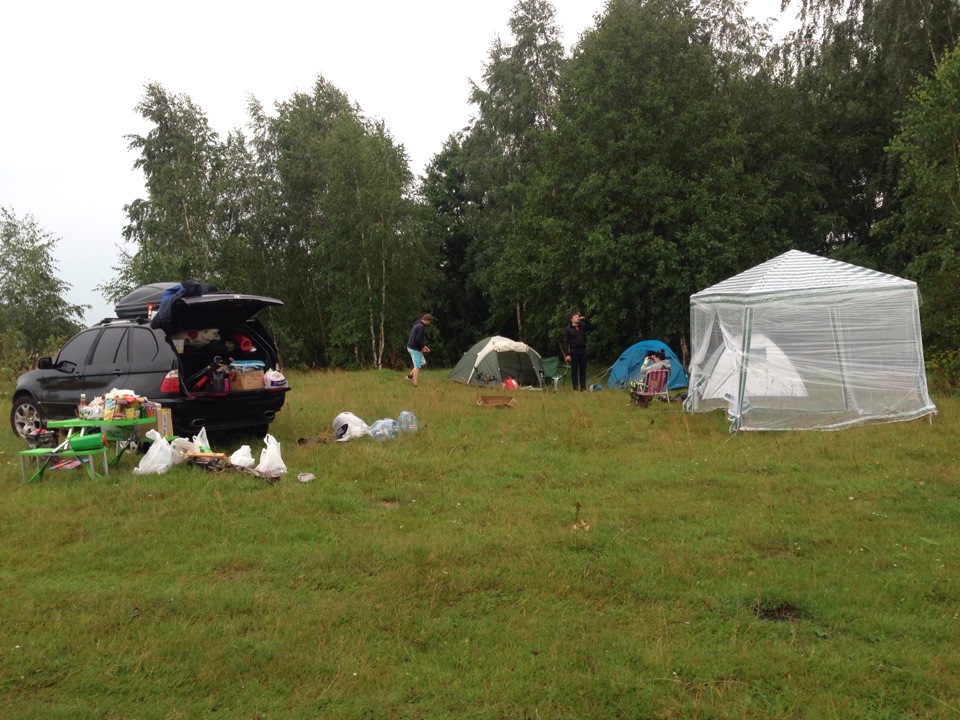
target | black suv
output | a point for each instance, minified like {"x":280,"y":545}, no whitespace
{"x":172,"y":364}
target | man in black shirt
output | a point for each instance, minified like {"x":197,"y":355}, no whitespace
{"x":575,"y":349}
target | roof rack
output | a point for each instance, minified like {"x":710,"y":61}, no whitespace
{"x":110,"y":320}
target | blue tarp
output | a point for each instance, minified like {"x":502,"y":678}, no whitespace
{"x":627,"y":368}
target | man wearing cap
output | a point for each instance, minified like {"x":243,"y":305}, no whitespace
{"x":416,"y":346}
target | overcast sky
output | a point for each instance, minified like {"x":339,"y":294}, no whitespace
{"x":73,"y":72}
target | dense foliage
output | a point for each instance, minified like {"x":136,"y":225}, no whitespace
{"x":674,"y":146}
{"x":34,"y":317}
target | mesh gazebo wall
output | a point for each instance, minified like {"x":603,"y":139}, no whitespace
{"x":801,"y":360}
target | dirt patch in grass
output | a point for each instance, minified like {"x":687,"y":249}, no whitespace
{"x":778,"y":611}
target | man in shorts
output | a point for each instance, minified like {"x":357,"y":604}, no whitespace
{"x":416,"y":346}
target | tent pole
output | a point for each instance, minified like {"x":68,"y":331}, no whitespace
{"x":744,"y":355}
{"x":848,"y":400}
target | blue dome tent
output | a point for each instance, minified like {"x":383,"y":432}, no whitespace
{"x":627,"y":368}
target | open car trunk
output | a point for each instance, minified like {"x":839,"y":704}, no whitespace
{"x":222,"y":351}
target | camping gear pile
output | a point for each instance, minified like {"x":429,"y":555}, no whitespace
{"x":802,"y":342}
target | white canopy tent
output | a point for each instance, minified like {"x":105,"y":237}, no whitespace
{"x":802,"y":342}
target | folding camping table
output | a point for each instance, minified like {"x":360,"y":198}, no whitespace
{"x":121,"y":432}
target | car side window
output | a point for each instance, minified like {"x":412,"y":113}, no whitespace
{"x":143,"y":345}
{"x":109,"y":349}
{"x":77,"y":349}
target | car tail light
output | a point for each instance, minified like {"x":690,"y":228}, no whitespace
{"x":171,"y":383}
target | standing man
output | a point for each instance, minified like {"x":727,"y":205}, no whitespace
{"x":416,"y":346}
{"x":575,"y":349}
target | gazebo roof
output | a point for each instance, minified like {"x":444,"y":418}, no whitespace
{"x":795,"y":271}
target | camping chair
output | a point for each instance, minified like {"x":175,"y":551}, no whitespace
{"x":655,"y":387}
{"x":555,"y":370}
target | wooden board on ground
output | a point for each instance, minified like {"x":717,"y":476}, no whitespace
{"x":220,"y":461}
{"x":208,"y":460}
{"x":498,"y":401}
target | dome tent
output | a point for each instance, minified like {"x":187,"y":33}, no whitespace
{"x":627,"y":368}
{"x":802,"y":342}
{"x":492,"y":360}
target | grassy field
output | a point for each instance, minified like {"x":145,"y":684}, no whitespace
{"x":571,"y":557}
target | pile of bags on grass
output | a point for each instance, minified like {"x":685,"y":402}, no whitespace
{"x":347,"y":426}
{"x":164,"y":454}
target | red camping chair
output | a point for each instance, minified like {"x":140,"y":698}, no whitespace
{"x":656,"y":386}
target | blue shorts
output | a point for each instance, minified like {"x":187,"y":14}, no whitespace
{"x":418,"y":359}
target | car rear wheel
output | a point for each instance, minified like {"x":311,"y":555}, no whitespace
{"x":25,"y":416}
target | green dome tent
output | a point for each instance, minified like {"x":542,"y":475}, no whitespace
{"x":492,"y":360}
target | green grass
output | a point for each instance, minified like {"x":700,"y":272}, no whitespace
{"x":572,"y":557}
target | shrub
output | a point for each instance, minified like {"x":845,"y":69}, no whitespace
{"x":943,"y":371}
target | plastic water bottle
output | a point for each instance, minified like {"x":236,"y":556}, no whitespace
{"x":83,"y":400}
{"x":407,"y":421}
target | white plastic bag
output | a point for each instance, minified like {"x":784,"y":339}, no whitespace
{"x":158,"y":458}
{"x":200,"y":440}
{"x":273,"y":379}
{"x":347,"y":426}
{"x":242,"y":457}
{"x":270,"y":461}
{"x":179,"y":447}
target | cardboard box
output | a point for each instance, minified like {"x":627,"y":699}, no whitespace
{"x":164,"y":424}
{"x":250,"y":380}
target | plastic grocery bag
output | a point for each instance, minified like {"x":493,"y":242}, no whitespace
{"x":386,"y":429}
{"x":200,"y":440}
{"x":274,"y":378}
{"x":407,"y":421}
{"x":347,"y":426}
{"x":179,"y":447}
{"x":158,"y":458}
{"x":270,"y":461}
{"x":510,"y":384}
{"x":242,"y":457}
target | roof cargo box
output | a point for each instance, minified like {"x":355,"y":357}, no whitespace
{"x":135,"y":304}
{"x":213,"y":309}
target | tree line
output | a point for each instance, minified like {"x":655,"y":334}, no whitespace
{"x":676,"y":145}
